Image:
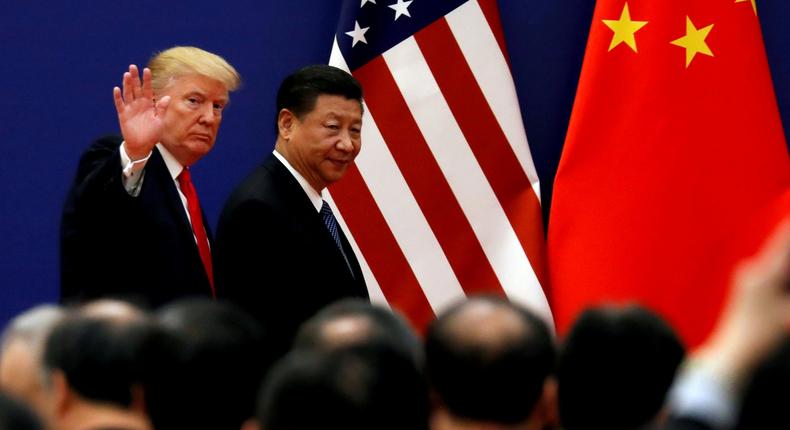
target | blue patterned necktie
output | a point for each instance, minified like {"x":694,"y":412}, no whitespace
{"x":331,"y":224}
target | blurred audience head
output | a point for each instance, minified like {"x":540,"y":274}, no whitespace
{"x":488,"y":361}
{"x":98,"y":366}
{"x":223,"y":356}
{"x":351,"y":322}
{"x":15,"y":415}
{"x":615,"y":368}
{"x":112,"y":310}
{"x":21,"y":351}
{"x":367,"y":386}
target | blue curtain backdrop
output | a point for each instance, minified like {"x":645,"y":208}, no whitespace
{"x":61,"y":60}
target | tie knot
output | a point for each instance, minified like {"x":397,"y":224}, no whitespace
{"x":326,"y":209}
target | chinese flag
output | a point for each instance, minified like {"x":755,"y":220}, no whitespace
{"x":674,"y":148}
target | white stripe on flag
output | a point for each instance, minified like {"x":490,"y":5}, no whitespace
{"x":492,"y":73}
{"x":405,"y":219}
{"x":336,"y":57}
{"x":402,"y":213}
{"x":464,"y":175}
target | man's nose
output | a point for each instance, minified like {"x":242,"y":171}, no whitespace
{"x":208,"y":115}
{"x":345,"y":142}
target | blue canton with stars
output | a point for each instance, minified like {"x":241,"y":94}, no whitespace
{"x":368,"y":28}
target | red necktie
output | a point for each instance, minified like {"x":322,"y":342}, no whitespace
{"x":193,"y":207}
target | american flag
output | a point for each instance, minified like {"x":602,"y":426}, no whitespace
{"x":444,"y":199}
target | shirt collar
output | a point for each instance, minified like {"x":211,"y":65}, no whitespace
{"x":315,"y":197}
{"x":173,"y":166}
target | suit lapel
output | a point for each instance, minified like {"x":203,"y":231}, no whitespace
{"x":161,"y":194}
{"x":312,"y":220}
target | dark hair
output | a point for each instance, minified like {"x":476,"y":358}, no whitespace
{"x":356,"y":388}
{"x":615,"y":368}
{"x":486,"y":380}
{"x":299,"y":91}
{"x":15,"y":415}
{"x":102,"y":359}
{"x":383,"y":325}
{"x":223,"y":360}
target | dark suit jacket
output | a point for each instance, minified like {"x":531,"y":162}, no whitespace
{"x":680,"y":423}
{"x":276,"y":258}
{"x":116,"y":245}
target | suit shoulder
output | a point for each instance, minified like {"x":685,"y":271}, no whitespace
{"x":98,"y":152}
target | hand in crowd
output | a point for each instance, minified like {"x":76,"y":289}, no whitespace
{"x":757,"y":313}
{"x":140,"y":116}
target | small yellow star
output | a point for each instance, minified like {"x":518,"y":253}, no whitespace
{"x":694,"y":41}
{"x":754,"y":4}
{"x":624,"y":29}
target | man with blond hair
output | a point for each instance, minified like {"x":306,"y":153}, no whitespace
{"x":132,"y":226}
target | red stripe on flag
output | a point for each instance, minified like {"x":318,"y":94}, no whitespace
{"x":491,"y":12}
{"x":381,"y":251}
{"x":486,"y":139}
{"x":426,"y":180}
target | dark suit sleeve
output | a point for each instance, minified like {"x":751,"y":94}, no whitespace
{"x":96,"y":206}
{"x":99,"y":177}
{"x":681,"y":423}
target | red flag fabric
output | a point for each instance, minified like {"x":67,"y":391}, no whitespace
{"x":674,"y":144}
{"x":443,"y":200}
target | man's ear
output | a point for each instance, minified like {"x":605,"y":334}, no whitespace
{"x":285,"y":123}
{"x":138,"y":400}
{"x":62,"y":397}
{"x":251,"y":424}
{"x":547,"y":410}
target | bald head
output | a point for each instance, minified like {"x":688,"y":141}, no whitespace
{"x":351,"y":321}
{"x":346,"y":330}
{"x":489,"y":325}
{"x":482,"y":351}
{"x":112,"y":310}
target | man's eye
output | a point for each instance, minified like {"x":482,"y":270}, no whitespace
{"x":192,"y":100}
{"x":218,"y":107}
{"x":333,"y":126}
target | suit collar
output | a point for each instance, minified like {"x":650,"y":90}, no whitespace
{"x":301,"y":212}
{"x":315,"y":197}
{"x":173,"y":166}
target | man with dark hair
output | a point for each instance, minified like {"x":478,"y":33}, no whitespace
{"x":615,"y":368}
{"x":97,"y":369}
{"x":281,"y":254}
{"x":372,"y":386}
{"x":351,"y":322}
{"x":223,"y":358}
{"x":488,"y":361}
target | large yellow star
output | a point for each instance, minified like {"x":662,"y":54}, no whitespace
{"x":694,"y":41}
{"x":624,"y":29}
{"x":754,"y":5}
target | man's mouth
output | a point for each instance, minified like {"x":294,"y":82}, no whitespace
{"x":339,"y":162}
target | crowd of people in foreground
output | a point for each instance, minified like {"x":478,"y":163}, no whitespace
{"x":484,"y":363}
